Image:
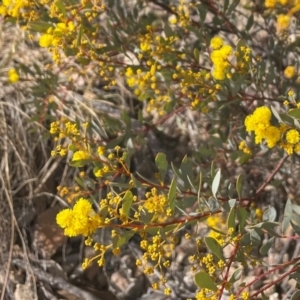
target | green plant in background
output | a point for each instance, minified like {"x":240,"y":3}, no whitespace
{"x":203,"y":58}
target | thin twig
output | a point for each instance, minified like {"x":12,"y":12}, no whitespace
{"x":259,"y":190}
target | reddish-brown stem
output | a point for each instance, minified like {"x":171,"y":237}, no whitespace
{"x":165,"y":224}
{"x":272,"y":283}
{"x":269,"y":272}
{"x":228,"y":269}
{"x":260,"y":189}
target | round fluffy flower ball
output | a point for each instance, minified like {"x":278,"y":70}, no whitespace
{"x":283,"y":22}
{"x":216,"y":42}
{"x":80,"y":155}
{"x":13,"y":75}
{"x":289,"y":72}
{"x":292,"y":136}
{"x":270,"y":3}
{"x":45,"y":40}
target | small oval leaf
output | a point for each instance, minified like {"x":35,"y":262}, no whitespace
{"x":236,"y":275}
{"x":216,"y":182}
{"x":266,"y":247}
{"x":214,"y":247}
{"x":204,"y":281}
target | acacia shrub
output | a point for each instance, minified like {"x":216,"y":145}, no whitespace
{"x":228,"y":70}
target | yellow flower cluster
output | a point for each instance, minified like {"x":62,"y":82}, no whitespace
{"x":283,"y":136}
{"x":54,"y":127}
{"x":156,"y":251}
{"x":183,"y":18}
{"x":206,"y":294}
{"x":18,"y":8}
{"x":81,"y":220}
{"x":291,"y":143}
{"x":219,"y":57}
{"x":65,"y":129}
{"x":245,"y":296}
{"x":259,"y":123}
{"x":61,"y":36}
{"x":56,"y":36}
{"x":80,"y":155}
{"x":216,"y":42}
{"x":283,"y":22}
{"x":272,"y":3}
{"x":216,"y":222}
{"x":208,"y":262}
{"x":13,"y":75}
{"x":101,"y":172}
{"x":59,"y":150}
{"x":243,"y":59}
{"x":243,"y":146}
{"x":157,"y":204}
{"x":289,"y":72}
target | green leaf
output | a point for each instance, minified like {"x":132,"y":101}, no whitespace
{"x":231,"y":218}
{"x":236,"y":275}
{"x":245,"y":240}
{"x":172,"y":193}
{"x":212,"y":170}
{"x":255,"y":236}
{"x":80,"y":182}
{"x":79,"y":36}
{"x":176,"y":171}
{"x":162,"y":164}
{"x":39,"y":26}
{"x":202,"y":10}
{"x":214,"y":247}
{"x":225,"y":6}
{"x":136,"y":183}
{"x":204,"y":152}
{"x":239,"y":185}
{"x":263,"y":296}
{"x":196,"y":55}
{"x":146,"y":217}
{"x":127,"y":203}
{"x":296,"y":228}
{"x":204,"y":281}
{"x":296,"y":276}
{"x":229,"y":204}
{"x":241,"y":215}
{"x":276,"y":115}
{"x":127,"y":155}
{"x":295,"y":113}
{"x":216,"y":182}
{"x":60,"y":5}
{"x":79,"y":163}
{"x":232,"y":7}
{"x":249,"y":22}
{"x":296,"y":208}
{"x":297,"y":123}
{"x":266,"y":247}
{"x":123,"y":238}
{"x":213,"y":204}
{"x":121,"y":185}
{"x":72,"y":147}
{"x":269,"y":215}
{"x":186,"y":169}
{"x":168,"y":30}
{"x":125,"y":117}
{"x":270,"y":228}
